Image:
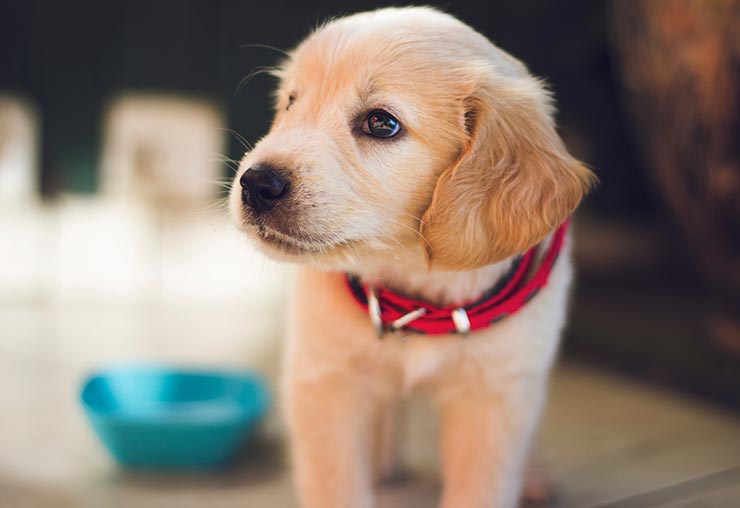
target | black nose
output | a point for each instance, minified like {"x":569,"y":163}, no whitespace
{"x":262,"y":187}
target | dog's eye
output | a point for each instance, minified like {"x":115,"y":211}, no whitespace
{"x":291,"y":100}
{"x":381,"y":124}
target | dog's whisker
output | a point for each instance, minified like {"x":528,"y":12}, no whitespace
{"x":257,"y":71}
{"x":231,"y":164}
{"x":221,"y":185}
{"x":241,"y":139}
{"x":401,"y":212}
{"x":264,"y":46}
{"x":220,"y":157}
{"x":406,"y":226}
{"x":217,"y":205}
{"x":385,"y":238}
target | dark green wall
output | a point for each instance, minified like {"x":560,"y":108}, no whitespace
{"x":73,"y":56}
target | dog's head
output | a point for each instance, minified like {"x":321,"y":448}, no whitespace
{"x":404,"y":131}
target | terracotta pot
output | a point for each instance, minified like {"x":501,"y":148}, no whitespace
{"x":680,"y":64}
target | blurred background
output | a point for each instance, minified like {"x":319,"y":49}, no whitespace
{"x":121,"y":121}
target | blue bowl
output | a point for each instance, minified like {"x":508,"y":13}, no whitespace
{"x":161,"y":417}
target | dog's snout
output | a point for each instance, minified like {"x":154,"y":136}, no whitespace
{"x":262,"y":187}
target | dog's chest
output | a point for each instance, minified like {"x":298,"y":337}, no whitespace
{"x":330,"y":332}
{"x":487,"y":357}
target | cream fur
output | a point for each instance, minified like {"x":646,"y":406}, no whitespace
{"x":477,"y":175}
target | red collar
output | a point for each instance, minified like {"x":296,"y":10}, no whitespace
{"x":392,"y":312}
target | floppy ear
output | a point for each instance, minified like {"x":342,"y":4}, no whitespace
{"x":513,"y":183}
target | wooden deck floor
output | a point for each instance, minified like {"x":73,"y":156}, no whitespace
{"x":609,"y":442}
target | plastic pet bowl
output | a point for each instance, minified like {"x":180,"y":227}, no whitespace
{"x":161,"y":417}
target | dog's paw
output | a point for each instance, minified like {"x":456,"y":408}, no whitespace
{"x":396,"y":476}
{"x":538,"y":489}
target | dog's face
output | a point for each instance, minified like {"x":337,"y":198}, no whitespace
{"x":403,"y":131}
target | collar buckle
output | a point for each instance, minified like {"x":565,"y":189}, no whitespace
{"x":373,"y":309}
{"x":407,"y":318}
{"x":461,"y":320}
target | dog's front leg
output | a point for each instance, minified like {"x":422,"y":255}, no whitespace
{"x":331,"y":422}
{"x":484,"y":442}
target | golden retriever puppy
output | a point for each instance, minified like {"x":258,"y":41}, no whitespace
{"x":409,"y":151}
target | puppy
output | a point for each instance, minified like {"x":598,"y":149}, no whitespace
{"x":409,"y":151}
